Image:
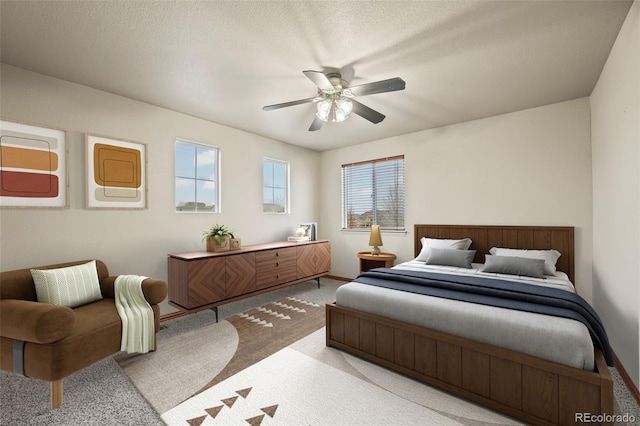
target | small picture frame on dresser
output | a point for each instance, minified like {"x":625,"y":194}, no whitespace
{"x":310,"y":230}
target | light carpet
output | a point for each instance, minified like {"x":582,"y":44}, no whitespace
{"x":97,"y":395}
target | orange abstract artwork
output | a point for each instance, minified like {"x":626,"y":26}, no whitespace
{"x":32,"y":166}
{"x":117,"y":166}
{"x":116,"y":171}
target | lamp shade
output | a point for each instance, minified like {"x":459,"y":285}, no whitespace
{"x":375,"y":239}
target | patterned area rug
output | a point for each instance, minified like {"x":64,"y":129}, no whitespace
{"x":270,"y":366}
{"x":290,"y":388}
{"x":308,"y":383}
{"x":196,"y":353}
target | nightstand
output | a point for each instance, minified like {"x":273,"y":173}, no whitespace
{"x":370,"y":261}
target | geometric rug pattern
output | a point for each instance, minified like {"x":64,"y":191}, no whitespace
{"x":195,"y":352}
{"x":290,"y":388}
{"x":213,"y":412}
{"x":269,"y":328}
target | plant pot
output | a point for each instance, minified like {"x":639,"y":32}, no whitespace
{"x":213,"y":246}
{"x":235,"y":244}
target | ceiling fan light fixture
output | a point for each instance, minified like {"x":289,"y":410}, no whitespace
{"x":323,"y":108}
{"x":342,"y":107}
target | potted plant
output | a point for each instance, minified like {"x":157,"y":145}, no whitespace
{"x":220,"y":238}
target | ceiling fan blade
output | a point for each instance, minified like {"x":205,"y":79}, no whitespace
{"x":292,"y":103}
{"x":382,"y":86}
{"x":320,"y":80}
{"x":367,"y":113}
{"x":316,"y":125}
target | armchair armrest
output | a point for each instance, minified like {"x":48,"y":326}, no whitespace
{"x":34,"y":321}
{"x":154,"y":290}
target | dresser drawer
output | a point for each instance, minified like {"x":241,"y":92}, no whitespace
{"x":267,"y":256}
{"x":283,"y":275}
{"x":273,"y":273}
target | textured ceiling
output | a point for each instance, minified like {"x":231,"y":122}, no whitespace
{"x":223,"y":60}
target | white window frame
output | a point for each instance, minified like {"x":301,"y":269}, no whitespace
{"x":286,"y":189}
{"x":195,"y":145}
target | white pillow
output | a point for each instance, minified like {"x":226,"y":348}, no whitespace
{"x":550,"y":257}
{"x":71,"y":286}
{"x":428,"y":243}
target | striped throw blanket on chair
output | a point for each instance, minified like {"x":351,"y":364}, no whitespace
{"x":136,"y":314}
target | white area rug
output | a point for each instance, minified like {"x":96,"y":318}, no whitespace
{"x":290,"y":388}
{"x":308,"y":383}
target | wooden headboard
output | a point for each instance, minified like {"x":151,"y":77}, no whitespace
{"x":518,"y":237}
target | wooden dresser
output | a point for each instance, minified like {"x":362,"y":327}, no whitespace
{"x":202,"y":280}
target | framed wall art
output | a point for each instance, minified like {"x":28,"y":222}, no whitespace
{"x":116,"y":173}
{"x":33,"y":166}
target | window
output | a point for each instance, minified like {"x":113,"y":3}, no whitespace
{"x":275,"y":186}
{"x":197,"y":178}
{"x":373,"y":194}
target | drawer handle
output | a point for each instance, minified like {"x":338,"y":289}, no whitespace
{"x":277,"y":263}
{"x":277,"y":254}
{"x":277,"y":277}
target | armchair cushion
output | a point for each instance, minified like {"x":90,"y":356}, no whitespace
{"x":71,"y":286}
{"x":35,"y":322}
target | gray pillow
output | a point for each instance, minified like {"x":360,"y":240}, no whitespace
{"x":514,"y":265}
{"x":451,"y":257}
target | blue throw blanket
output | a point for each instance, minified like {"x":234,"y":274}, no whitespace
{"x":495,"y":292}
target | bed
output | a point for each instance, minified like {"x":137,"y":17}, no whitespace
{"x":534,"y":386}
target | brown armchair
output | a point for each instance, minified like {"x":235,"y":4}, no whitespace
{"x":49,"y":342}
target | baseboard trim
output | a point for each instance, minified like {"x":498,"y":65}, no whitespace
{"x":626,"y":378}
{"x":334,"y":277}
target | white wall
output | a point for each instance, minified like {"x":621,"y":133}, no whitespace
{"x":137,"y":242}
{"x":615,"y":129}
{"x":530,"y":167}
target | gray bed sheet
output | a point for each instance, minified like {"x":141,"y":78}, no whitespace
{"x":561,"y":340}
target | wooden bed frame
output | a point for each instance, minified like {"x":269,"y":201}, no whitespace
{"x":535,"y":390}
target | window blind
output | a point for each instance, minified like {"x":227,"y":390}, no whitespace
{"x":373,"y":194}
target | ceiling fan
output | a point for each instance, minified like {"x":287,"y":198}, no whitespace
{"x":335,"y":99}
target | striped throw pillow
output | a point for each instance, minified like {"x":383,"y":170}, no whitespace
{"x":71,"y":286}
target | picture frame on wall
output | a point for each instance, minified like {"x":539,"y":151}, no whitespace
{"x":116,"y":173}
{"x":33,"y":165}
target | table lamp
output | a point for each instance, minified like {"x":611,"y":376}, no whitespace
{"x":375,"y":239}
